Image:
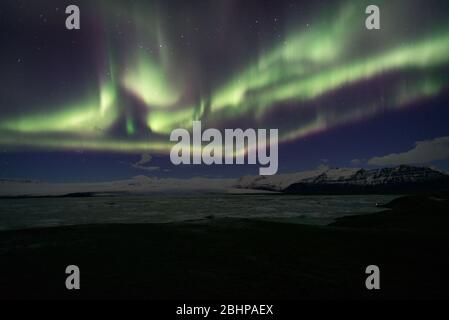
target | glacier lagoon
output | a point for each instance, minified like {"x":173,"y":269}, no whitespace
{"x":23,"y":213}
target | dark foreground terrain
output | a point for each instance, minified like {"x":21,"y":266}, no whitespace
{"x":227,"y":258}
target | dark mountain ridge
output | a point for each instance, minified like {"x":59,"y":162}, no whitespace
{"x":401,"y":179}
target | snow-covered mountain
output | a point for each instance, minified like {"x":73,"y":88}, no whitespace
{"x":282,"y":181}
{"x":351,"y":180}
{"x":400,"y":179}
{"x":136,"y":185}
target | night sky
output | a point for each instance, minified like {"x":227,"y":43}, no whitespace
{"x":99,"y":103}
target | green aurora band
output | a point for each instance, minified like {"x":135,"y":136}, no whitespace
{"x":307,"y":66}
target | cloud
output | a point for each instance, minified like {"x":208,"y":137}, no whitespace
{"x":145,"y":158}
{"x":142,"y":164}
{"x":423,"y":152}
{"x":152,"y":168}
{"x":323,"y":167}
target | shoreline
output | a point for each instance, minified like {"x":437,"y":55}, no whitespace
{"x":235,"y":258}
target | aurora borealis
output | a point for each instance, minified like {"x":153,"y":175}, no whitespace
{"x":139,"y":69}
